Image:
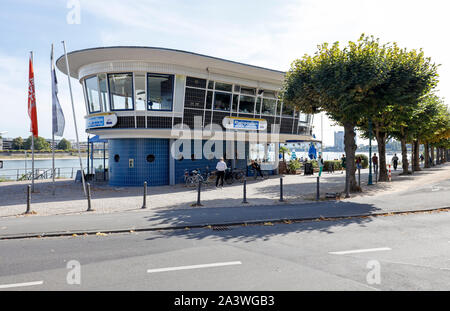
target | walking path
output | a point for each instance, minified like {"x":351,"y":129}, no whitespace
{"x":425,"y":190}
{"x":297,"y":189}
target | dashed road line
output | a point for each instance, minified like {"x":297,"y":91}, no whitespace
{"x":210,"y":265}
{"x":21,"y":284}
{"x":356,"y":251}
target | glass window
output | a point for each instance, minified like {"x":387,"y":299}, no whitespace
{"x":194,"y":98}
{"x":235,"y":103}
{"x":160,"y":92}
{"x":140,"y":96}
{"x":121,"y":91}
{"x":103,"y":82}
{"x":268,"y":107}
{"x":223,"y":87}
{"x":222,"y":101}
{"x":237,"y":88}
{"x":303,"y":117}
{"x":269,"y":94}
{"x":247,"y":104}
{"x":196,"y":82}
{"x":92,"y":94}
{"x":209,"y":99}
{"x":211,"y":85}
{"x":248,"y":91}
{"x":288,"y":111}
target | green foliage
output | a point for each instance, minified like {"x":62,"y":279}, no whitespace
{"x":294,"y":165}
{"x":328,"y":164}
{"x":18,"y":143}
{"x":364,"y":160}
{"x":64,"y":144}
{"x":39,"y":144}
{"x":284,"y":150}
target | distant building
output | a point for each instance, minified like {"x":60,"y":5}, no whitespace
{"x":339,"y":140}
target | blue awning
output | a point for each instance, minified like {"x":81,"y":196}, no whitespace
{"x":96,"y":139}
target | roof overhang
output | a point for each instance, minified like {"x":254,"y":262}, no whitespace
{"x":80,"y":58}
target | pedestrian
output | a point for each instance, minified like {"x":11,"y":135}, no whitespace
{"x":358,"y":162}
{"x":421,"y":158}
{"x":320,"y":163}
{"x":343,"y":163}
{"x":395,"y":161}
{"x":375,"y":163}
{"x":220,"y":167}
{"x":257,"y":168}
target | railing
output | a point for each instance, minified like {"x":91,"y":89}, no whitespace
{"x":39,"y":173}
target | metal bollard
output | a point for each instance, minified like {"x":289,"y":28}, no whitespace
{"x":281,"y":189}
{"x":318,"y":189}
{"x":89,"y":197}
{"x":28,"y":200}
{"x":144,"y":203}
{"x":198,"y":193}
{"x":245,"y":191}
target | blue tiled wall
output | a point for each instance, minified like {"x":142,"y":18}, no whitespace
{"x":155,"y":173}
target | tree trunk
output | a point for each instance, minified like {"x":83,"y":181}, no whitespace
{"x":416,"y":161}
{"x":381,"y":140}
{"x":350,"y":149}
{"x":427,"y":155}
{"x":405,"y":163}
{"x":432,"y":155}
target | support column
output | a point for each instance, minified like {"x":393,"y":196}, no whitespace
{"x":171,"y":163}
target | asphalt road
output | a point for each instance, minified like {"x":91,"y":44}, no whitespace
{"x":404,"y":252}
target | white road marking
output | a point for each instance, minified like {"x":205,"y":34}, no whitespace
{"x":361,"y":251}
{"x":210,"y":265}
{"x":21,"y":284}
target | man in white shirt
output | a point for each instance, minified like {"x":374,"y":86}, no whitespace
{"x":220,"y":167}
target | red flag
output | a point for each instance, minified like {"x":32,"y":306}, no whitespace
{"x":32,"y":101}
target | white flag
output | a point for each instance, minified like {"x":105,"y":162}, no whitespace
{"x":57,"y":113}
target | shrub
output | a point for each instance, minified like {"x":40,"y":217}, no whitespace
{"x":294,"y":165}
{"x":364,"y":160}
{"x":336,"y":163}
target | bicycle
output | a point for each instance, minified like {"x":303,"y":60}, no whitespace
{"x":236,"y":175}
{"x":192,"y":178}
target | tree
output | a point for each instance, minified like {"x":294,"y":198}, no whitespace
{"x":340,"y":82}
{"x":283,"y":150}
{"x":39,"y":143}
{"x":64,"y":144}
{"x":409,"y":77}
{"x":18,"y":143}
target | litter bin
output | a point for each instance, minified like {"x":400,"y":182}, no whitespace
{"x":308,"y":169}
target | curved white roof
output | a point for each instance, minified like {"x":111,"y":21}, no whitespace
{"x":80,"y":58}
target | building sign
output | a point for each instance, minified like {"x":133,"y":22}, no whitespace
{"x":101,"y":120}
{"x":247,"y":124}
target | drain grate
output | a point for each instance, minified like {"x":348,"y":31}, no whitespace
{"x":221,"y":228}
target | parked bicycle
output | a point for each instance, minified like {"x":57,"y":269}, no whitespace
{"x":234,"y":175}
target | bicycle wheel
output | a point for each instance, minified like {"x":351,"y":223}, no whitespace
{"x":191,"y":181}
{"x":239,"y":176}
{"x":229,"y":179}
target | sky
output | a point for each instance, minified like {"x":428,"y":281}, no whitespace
{"x":270,"y":34}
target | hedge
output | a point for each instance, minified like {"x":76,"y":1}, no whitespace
{"x":365,"y":160}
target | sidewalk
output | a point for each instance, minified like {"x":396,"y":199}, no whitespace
{"x":69,"y":198}
{"x":413,"y":194}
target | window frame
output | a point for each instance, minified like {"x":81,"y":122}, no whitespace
{"x":110,"y":94}
{"x":160,"y":75}
{"x":87,"y":95}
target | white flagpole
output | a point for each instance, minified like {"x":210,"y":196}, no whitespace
{"x":53,"y":130}
{"x":74,"y":118}
{"x":32,"y":144}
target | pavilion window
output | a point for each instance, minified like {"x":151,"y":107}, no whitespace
{"x":160,"y":92}
{"x":92,"y":94}
{"x":121,"y":91}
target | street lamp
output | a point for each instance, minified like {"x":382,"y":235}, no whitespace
{"x":370,"y":153}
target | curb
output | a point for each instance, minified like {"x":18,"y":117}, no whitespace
{"x":212,"y":225}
